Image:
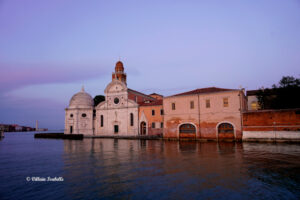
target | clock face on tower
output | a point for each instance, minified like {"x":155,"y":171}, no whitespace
{"x":116,"y":100}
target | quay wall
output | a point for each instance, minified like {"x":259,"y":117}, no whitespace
{"x":271,"y":125}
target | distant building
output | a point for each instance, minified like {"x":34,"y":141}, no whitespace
{"x":14,"y":128}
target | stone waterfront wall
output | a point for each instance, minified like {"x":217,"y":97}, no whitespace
{"x":271,"y":125}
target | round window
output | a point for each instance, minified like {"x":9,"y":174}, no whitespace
{"x":71,"y":115}
{"x":116,"y":100}
{"x":83,"y":115}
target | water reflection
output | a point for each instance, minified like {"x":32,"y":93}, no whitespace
{"x":135,"y":169}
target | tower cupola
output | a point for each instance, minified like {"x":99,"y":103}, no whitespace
{"x":119,"y":72}
{"x":119,"y":67}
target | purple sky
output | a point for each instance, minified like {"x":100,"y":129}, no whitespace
{"x":49,"y":49}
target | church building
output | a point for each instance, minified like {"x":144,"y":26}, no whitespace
{"x":117,"y":115}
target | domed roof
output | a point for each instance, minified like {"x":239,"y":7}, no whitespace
{"x":81,"y":100}
{"x":119,"y":66}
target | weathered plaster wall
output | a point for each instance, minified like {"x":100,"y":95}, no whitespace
{"x":157,"y":119}
{"x":204,"y":119}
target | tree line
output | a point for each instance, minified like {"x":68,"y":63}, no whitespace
{"x":284,"y":95}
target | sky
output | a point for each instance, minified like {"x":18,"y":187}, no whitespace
{"x":50,"y":48}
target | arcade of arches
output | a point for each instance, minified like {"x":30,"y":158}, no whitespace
{"x":225,"y":131}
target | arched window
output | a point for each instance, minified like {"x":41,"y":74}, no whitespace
{"x":187,"y":129}
{"x":131,"y":119}
{"x":225,"y":128}
{"x":101,"y":120}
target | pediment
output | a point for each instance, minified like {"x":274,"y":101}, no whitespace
{"x":115,"y":86}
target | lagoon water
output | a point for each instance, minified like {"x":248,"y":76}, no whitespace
{"x":153,"y":169}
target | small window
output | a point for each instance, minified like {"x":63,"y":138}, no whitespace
{"x":101,"y":119}
{"x":153,"y":112}
{"x":83,"y":115}
{"x":71,"y":115}
{"x":225,"y":102}
{"x":161,"y":112}
{"x":153,"y":124}
{"x":71,"y":129}
{"x":173,"y":106}
{"x":116,"y":128}
{"x":131,"y":119}
{"x":192,"y":104}
{"x":207,"y":103}
{"x":161,"y":125}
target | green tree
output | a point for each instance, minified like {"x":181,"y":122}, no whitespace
{"x":98,"y":99}
{"x":282,"y":96}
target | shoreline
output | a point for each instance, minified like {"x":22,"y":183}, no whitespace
{"x":139,"y":137}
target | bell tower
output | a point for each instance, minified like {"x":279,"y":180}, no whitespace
{"x":119,"y":73}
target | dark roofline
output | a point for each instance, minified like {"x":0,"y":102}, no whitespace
{"x":152,"y":103}
{"x":156,"y":94}
{"x":251,"y":92}
{"x":134,"y":91}
{"x":254,"y":92}
{"x":204,"y":91}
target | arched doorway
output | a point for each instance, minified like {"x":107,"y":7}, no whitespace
{"x":187,"y":131}
{"x":225,"y":131}
{"x":143,"y":128}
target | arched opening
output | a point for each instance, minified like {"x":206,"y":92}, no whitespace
{"x":225,"y":131}
{"x":143,"y":128}
{"x":187,"y":131}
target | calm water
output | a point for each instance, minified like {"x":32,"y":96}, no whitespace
{"x":132,"y":169}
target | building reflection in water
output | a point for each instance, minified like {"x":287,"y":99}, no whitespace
{"x":111,"y":168}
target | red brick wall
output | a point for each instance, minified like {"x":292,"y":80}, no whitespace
{"x":269,"y":120}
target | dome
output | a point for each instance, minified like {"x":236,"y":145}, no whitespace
{"x":119,"y":67}
{"x":81,"y":100}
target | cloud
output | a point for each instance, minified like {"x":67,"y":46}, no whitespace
{"x":15,"y":76}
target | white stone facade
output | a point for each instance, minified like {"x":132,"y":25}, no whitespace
{"x":118,"y":115}
{"x":79,"y":114}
